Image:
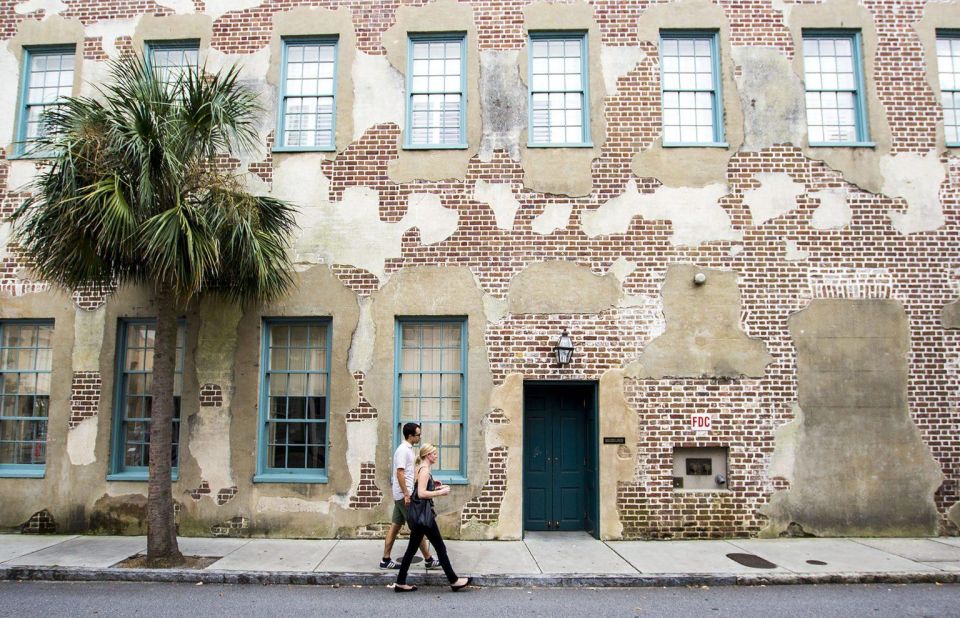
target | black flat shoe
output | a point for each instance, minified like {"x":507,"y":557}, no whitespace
{"x":399,"y":588}
{"x":457,"y":588}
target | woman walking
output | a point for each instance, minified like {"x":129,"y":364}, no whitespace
{"x":427,"y":489}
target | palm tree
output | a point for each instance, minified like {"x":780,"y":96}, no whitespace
{"x":136,"y":192}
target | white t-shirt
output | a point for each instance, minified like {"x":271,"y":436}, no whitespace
{"x":402,"y":458}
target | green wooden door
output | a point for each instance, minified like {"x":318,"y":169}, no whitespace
{"x":556,"y":458}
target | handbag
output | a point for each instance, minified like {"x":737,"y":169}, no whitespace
{"x":420,"y":512}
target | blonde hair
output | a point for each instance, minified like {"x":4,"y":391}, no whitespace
{"x":425,"y":450}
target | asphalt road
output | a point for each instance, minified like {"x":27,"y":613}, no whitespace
{"x":49,"y":599}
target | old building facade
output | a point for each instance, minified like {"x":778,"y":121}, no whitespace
{"x":744,"y":213}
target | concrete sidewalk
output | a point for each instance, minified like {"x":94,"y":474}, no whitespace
{"x":541,"y":559}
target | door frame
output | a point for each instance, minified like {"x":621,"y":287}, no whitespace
{"x":592,"y":447}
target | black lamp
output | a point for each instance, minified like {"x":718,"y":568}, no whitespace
{"x":564,"y":349}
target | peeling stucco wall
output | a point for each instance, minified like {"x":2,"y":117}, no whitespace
{"x":856,"y":462}
{"x":703,"y":336}
{"x":617,"y":461}
{"x":950,"y":315}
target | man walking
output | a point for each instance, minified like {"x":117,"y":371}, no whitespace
{"x":402,"y":482}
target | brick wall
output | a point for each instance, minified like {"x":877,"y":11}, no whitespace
{"x":919,"y":269}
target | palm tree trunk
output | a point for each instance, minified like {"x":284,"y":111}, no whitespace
{"x":162,"y":547}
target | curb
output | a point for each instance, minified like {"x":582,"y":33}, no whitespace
{"x":566,"y":580}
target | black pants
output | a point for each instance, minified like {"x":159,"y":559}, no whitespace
{"x":416,"y":535}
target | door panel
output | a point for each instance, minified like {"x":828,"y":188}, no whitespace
{"x":557,"y":433}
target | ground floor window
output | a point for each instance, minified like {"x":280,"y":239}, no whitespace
{"x":26,"y":357}
{"x":134,"y":399}
{"x":294,"y":403}
{"x":431,"y":369}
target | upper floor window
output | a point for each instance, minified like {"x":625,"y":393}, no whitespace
{"x":431,"y":375}
{"x":294,"y":401}
{"x":558,"y":90}
{"x":47,"y":77}
{"x":691,"y":105}
{"x":436,"y":92}
{"x":308,"y":89}
{"x":26,"y":357}
{"x":834,"y":88}
{"x":169,"y":58}
{"x":948,"y":67}
{"x":134,"y":400}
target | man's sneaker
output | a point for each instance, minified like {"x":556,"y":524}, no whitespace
{"x":431,"y":563}
{"x":387,"y":563}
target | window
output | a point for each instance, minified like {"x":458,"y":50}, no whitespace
{"x":834,"y":86}
{"x":134,"y":400}
{"x":308,"y":100}
{"x":294,"y":405}
{"x":558,"y":86}
{"x":948,"y":65}
{"x":26,"y":357}
{"x":169,"y":58}
{"x":436,"y":89}
{"x":47,"y":77}
{"x":431,"y":379}
{"x":691,"y":104}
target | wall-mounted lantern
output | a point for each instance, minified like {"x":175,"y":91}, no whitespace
{"x":563,"y":349}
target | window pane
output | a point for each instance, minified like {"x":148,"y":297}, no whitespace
{"x":832,"y":95}
{"x":948,"y":65}
{"x":555,"y":70}
{"x":24,"y":386}
{"x":689,"y":87}
{"x":308,"y":95}
{"x":436,"y":92}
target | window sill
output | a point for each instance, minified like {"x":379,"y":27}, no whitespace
{"x":696,"y":145}
{"x":25,"y":472}
{"x":581,"y":145}
{"x":435,"y":147}
{"x":281,"y":477}
{"x":292,"y":149}
{"x":843,"y":145}
{"x":139,"y":476}
{"x":451,"y":479}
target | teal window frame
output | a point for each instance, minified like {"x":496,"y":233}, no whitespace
{"x":32,"y":470}
{"x":584,"y":91}
{"x":150,"y":47}
{"x":22,"y":149}
{"x":460,"y":476}
{"x":268,"y":474}
{"x":953,"y":36}
{"x":118,"y":470}
{"x":716,"y":90}
{"x":303,"y":41}
{"x":446,"y":37}
{"x":860,"y":107}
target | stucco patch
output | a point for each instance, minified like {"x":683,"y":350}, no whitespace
{"x":6,"y":230}
{"x":617,"y":62}
{"x":299,"y":179}
{"x":834,"y":211}
{"x":859,"y":465}
{"x":426,"y":212}
{"x":785,"y":438}
{"x":950,"y":315}
{"x":495,"y":309}
{"x":82,"y":442}
{"x":793,"y":253}
{"x":776,"y":195}
{"x":916,"y":178}
{"x":253,"y":67}
{"x":622,"y":268}
{"x":20,"y":173}
{"x":703,"y":335}
{"x":377,"y":93}
{"x":361,"y":347}
{"x":771,"y":96}
{"x":534,"y":289}
{"x":695,"y":213}
{"x":954,"y":514}
{"x":217,"y":8}
{"x":500,"y":198}
{"x":49,"y":7}
{"x":554,"y":217}
{"x":208,"y":447}
{"x":88,"y":339}
{"x":180,"y":7}
{"x":503,"y":104}
{"x":351,"y":232}
{"x":617,"y":462}
{"x":110,"y":30}
{"x":361,"y":448}
{"x":9,"y":65}
{"x":217,"y":344}
{"x":508,"y":397}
